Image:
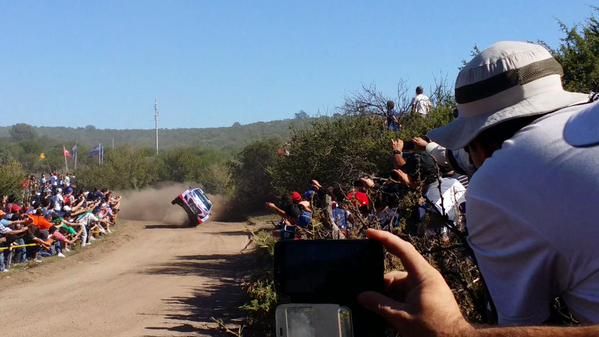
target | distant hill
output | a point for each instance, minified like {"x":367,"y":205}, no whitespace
{"x":234,"y":137}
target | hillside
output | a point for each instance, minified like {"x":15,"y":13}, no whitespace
{"x":234,"y":137}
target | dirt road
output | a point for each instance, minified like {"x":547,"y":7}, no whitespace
{"x":144,"y":280}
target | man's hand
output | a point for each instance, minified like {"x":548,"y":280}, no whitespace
{"x":403,"y":177}
{"x":397,"y":145}
{"x":417,"y":302}
{"x":315,"y":184}
{"x":419,"y":143}
{"x":368,"y":182}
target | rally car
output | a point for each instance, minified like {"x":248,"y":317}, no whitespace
{"x":196,"y":204}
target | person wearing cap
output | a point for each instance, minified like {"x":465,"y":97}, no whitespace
{"x":358,"y":196}
{"x":529,"y":204}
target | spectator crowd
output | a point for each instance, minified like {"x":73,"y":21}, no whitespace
{"x":51,"y":217}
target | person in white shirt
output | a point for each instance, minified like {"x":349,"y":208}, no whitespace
{"x":444,"y":195}
{"x":421,"y":103}
{"x":529,"y":204}
{"x":57,"y":200}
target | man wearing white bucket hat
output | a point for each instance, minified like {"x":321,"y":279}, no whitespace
{"x":530,"y":204}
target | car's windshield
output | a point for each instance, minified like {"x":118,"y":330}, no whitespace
{"x":203,"y":199}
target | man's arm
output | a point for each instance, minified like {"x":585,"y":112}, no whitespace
{"x":397,"y":146}
{"x":18,"y":232}
{"x":538,"y":332}
{"x":418,"y":302}
{"x":275,"y":209}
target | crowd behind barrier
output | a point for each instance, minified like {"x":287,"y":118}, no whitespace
{"x":51,"y":217}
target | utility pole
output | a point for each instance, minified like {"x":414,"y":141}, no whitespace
{"x":156,"y":121}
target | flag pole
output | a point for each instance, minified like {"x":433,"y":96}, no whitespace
{"x":66,"y":164}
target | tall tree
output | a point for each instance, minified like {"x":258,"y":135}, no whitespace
{"x":579,"y":55}
{"x":21,"y":131}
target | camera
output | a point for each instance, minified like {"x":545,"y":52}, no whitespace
{"x":317,"y":283}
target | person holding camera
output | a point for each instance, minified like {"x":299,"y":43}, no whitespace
{"x":442,"y":196}
{"x":536,"y":150}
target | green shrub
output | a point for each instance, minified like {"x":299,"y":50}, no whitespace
{"x":334,"y":151}
{"x":260,"y":288}
{"x":251,"y":180}
{"x":11,"y":177}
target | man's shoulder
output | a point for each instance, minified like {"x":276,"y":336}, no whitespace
{"x":535,"y":159}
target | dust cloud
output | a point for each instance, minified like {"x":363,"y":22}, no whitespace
{"x":154,"y":204}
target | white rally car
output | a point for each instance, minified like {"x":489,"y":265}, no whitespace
{"x":196,"y":204}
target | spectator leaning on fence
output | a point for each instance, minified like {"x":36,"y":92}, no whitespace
{"x":51,"y":218}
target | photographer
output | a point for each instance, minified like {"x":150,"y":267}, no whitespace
{"x":442,"y":196}
{"x":456,"y":163}
{"x":534,"y":146}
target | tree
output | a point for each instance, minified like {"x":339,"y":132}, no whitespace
{"x":251,"y":174}
{"x":11,"y":176}
{"x":370,"y":101}
{"x":334,"y":151}
{"x":123,"y":168}
{"x":22,"y":132}
{"x":302,"y":115}
{"x":578,"y":54}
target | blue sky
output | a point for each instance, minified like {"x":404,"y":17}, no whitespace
{"x":213,"y":63}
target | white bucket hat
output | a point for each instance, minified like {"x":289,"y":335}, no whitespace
{"x":506,"y":81}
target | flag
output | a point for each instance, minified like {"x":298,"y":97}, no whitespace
{"x":74,"y":150}
{"x":66,"y":152}
{"x":96,"y":151}
{"x":42,"y":156}
{"x":99,"y":152}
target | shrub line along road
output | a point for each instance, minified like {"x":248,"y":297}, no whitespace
{"x":144,"y":280}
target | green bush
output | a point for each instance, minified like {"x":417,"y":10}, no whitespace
{"x":578,"y":54}
{"x":11,"y":177}
{"x":260,"y":288}
{"x":251,"y":180}
{"x":123,"y":168}
{"x":334,"y":151}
